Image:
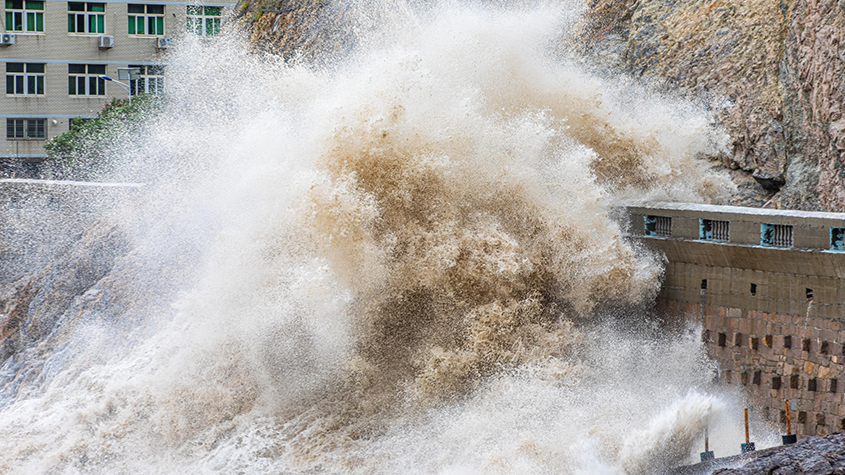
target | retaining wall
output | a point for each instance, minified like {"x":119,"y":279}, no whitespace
{"x":40,"y":217}
{"x":772,"y":315}
{"x":777,"y":357}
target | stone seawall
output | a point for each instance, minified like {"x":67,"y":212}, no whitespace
{"x":40,"y":217}
{"x":768,"y":287}
{"x":776,"y":357}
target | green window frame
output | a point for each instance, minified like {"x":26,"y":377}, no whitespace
{"x":776,"y":235}
{"x":145,"y":20}
{"x":86,"y":18}
{"x":203,"y":21}
{"x":837,"y":239}
{"x":25,"y":16}
{"x":25,"y":79}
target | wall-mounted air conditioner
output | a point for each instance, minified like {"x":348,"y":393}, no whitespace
{"x":105,"y":42}
{"x":163,"y":43}
{"x":7,"y":39}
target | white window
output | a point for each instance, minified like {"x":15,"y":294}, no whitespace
{"x":84,"y":80}
{"x":26,"y":129}
{"x":203,"y":21}
{"x":658,"y":226}
{"x":151,"y":80}
{"x":25,"y":78}
{"x":24,"y":16}
{"x":146,"y":19}
{"x":713,"y":230}
{"x":86,"y":17}
{"x":775,"y":235}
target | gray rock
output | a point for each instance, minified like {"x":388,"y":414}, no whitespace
{"x":811,"y":456}
{"x":815,"y":465}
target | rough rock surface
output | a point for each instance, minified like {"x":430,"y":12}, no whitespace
{"x":309,"y":30}
{"x":813,"y":455}
{"x":31,"y":306}
{"x":773,"y":71}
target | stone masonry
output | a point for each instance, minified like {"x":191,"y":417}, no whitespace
{"x":773,"y":313}
{"x":776,"y":357}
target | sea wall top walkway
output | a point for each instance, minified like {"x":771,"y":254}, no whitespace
{"x":779,"y":261}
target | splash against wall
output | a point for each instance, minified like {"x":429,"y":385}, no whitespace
{"x":392,"y":263}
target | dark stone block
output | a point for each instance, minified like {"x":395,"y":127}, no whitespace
{"x":769,"y":182}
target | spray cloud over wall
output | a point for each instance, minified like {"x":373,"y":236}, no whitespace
{"x":391,"y":263}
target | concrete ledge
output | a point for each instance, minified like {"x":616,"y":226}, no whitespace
{"x":810,"y":262}
{"x":776,"y":216}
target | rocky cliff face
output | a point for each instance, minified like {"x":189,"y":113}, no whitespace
{"x":310,"y":30}
{"x":814,"y":455}
{"x":773,"y":71}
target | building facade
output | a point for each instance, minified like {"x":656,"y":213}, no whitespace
{"x":768,"y":288}
{"x":53,"y":53}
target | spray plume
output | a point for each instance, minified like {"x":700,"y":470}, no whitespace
{"x":385,"y":264}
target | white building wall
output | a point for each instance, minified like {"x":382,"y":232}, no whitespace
{"x":57,"y":48}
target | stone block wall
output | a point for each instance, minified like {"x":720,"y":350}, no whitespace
{"x":770,"y":291}
{"x":773,"y":315}
{"x":776,"y":357}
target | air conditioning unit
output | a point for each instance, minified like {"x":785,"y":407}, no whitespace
{"x":105,"y":42}
{"x":163,"y":43}
{"x":7,"y":39}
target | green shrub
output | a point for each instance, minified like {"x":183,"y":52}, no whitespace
{"x":87,"y":150}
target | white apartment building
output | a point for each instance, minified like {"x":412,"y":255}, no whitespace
{"x":53,"y":52}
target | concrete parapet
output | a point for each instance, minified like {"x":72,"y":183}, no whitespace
{"x":804,"y":279}
{"x":739,"y":226}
